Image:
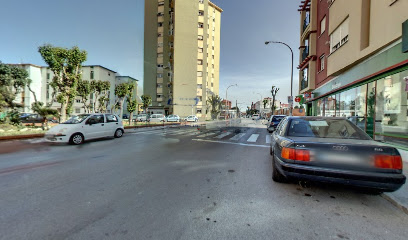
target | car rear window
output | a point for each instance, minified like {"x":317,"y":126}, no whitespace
{"x":325,"y":128}
{"x":277,"y":118}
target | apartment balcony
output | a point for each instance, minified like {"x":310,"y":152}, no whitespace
{"x":199,"y":92}
{"x":159,"y":90}
{"x":160,"y":99}
{"x":199,"y":68}
{"x":306,"y":23}
{"x":199,"y":80}
{"x":305,"y":53}
{"x":159,"y":80}
{"x":304,"y":84}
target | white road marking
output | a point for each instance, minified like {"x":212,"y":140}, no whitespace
{"x":268,"y":138}
{"x":237,"y":137}
{"x":242,"y":144}
{"x":253,"y":138}
{"x":207,"y":134}
{"x":222,"y":135}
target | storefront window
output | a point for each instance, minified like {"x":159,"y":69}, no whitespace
{"x":370,"y":109}
{"x":330,"y":107}
{"x":391,"y":123}
{"x":319,"y":107}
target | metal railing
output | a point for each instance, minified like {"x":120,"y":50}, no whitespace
{"x":305,"y":53}
{"x":304,"y":84}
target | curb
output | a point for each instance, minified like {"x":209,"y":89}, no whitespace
{"x":393,"y":200}
{"x":155,"y":125}
{"x":16,"y":137}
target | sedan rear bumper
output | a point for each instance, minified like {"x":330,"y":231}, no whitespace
{"x":386,"y":182}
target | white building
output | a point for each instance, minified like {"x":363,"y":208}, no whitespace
{"x":42,"y":77}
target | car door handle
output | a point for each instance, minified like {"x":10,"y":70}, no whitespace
{"x":117,"y":123}
{"x":103,"y":124}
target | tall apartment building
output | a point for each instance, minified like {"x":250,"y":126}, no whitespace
{"x":42,"y":76}
{"x":361,"y":65}
{"x":181,"y":55}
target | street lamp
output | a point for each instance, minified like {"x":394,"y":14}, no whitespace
{"x":291,"y":77}
{"x":226,"y":95}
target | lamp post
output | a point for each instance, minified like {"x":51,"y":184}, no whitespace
{"x":291,"y":74}
{"x":226,"y":96}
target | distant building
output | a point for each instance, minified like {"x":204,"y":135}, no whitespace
{"x":181,"y":55}
{"x":42,"y":76}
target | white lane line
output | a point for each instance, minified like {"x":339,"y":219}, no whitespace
{"x":253,"y":138}
{"x":237,"y":137}
{"x":192,"y":133}
{"x":268,"y":138}
{"x":242,"y":144}
{"x":222,"y":135}
{"x":207,"y":134}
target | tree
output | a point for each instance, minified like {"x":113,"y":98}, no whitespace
{"x":121,"y":92}
{"x":146,"y":101}
{"x":100,"y":90}
{"x":44,"y":112}
{"x":12,"y":81}
{"x":215,"y":102}
{"x":274,"y":91}
{"x":84,"y":92}
{"x":131,"y":102}
{"x":66,"y":66}
{"x":265,"y":101}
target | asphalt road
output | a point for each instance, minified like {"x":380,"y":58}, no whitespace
{"x":178,"y":183}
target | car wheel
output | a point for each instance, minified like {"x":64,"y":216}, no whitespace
{"x":276,"y":175}
{"x":118,"y":133}
{"x":76,"y":139}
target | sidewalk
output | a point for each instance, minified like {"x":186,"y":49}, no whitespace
{"x":400,"y":198}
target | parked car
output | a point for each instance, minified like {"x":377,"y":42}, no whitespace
{"x":125,"y":116}
{"x":31,"y":118}
{"x":335,"y":150}
{"x":85,"y":127}
{"x":173,"y":118}
{"x":141,"y":118}
{"x":273,"y":122}
{"x":157,"y":118}
{"x":192,"y":118}
{"x":255,"y":117}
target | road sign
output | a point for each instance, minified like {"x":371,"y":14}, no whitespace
{"x":297,"y":99}
{"x":290,"y":99}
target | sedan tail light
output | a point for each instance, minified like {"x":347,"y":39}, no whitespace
{"x":296,"y":154}
{"x":388,"y":161}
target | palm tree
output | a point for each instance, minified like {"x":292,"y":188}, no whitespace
{"x":215,"y":102}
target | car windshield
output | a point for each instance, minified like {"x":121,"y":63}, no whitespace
{"x":325,"y":128}
{"x":76,"y":119}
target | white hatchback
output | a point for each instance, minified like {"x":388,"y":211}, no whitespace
{"x":85,"y":127}
{"x":192,"y":118}
{"x":157,"y":118}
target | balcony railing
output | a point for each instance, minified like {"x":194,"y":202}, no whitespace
{"x":305,"y":53}
{"x":306,"y":23}
{"x":304,"y":84}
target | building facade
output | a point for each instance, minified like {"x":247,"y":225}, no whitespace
{"x":42,"y":77}
{"x":366,"y":77}
{"x":181,"y":55}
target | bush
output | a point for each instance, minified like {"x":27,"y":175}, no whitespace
{"x":14,"y":117}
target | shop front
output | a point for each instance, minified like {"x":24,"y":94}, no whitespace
{"x":377,"y":103}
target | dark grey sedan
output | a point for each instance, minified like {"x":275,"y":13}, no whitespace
{"x":333,"y":150}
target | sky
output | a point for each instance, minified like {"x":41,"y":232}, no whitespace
{"x":112,"y":34}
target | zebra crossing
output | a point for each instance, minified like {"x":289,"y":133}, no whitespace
{"x":259,"y":137}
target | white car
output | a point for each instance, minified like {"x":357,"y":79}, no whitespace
{"x":141,"y":118}
{"x":85,"y":127}
{"x":192,"y":118}
{"x":157,"y":118}
{"x":255,"y":117}
{"x":173,"y":118}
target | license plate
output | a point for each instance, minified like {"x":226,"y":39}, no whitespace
{"x":340,"y":158}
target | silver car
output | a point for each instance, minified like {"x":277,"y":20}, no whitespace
{"x":173,"y":118}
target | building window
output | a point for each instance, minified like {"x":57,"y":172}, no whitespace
{"x":200,"y":98}
{"x":212,"y":75}
{"x":339,"y":36}
{"x":160,"y":24}
{"x":321,"y":63}
{"x":160,"y":75}
{"x":213,"y":56}
{"x":160,"y":55}
{"x":108,"y":73}
{"x":77,"y":110}
{"x":199,"y":86}
{"x":160,"y":44}
{"x":323,"y":25}
{"x":160,"y":35}
{"x":200,"y":13}
{"x":48,"y":76}
{"x":201,"y":1}
{"x":159,"y":85}
{"x":160,"y":14}
{"x":77,"y":100}
{"x":200,"y":37}
{"x":161,"y":3}
{"x":212,"y":84}
{"x":200,"y":62}
{"x":200,"y":25}
{"x":91,"y":75}
{"x":199,"y":111}
{"x":200,"y":50}
{"x":169,"y":74}
{"x":199,"y":74}
{"x":160,"y":65}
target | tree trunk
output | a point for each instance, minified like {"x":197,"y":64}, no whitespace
{"x":64,"y":110}
{"x":130,"y":118}
{"x":121,"y":107}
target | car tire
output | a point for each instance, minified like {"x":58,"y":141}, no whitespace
{"x":118,"y":133}
{"x":276,"y":175}
{"x":76,"y":139}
